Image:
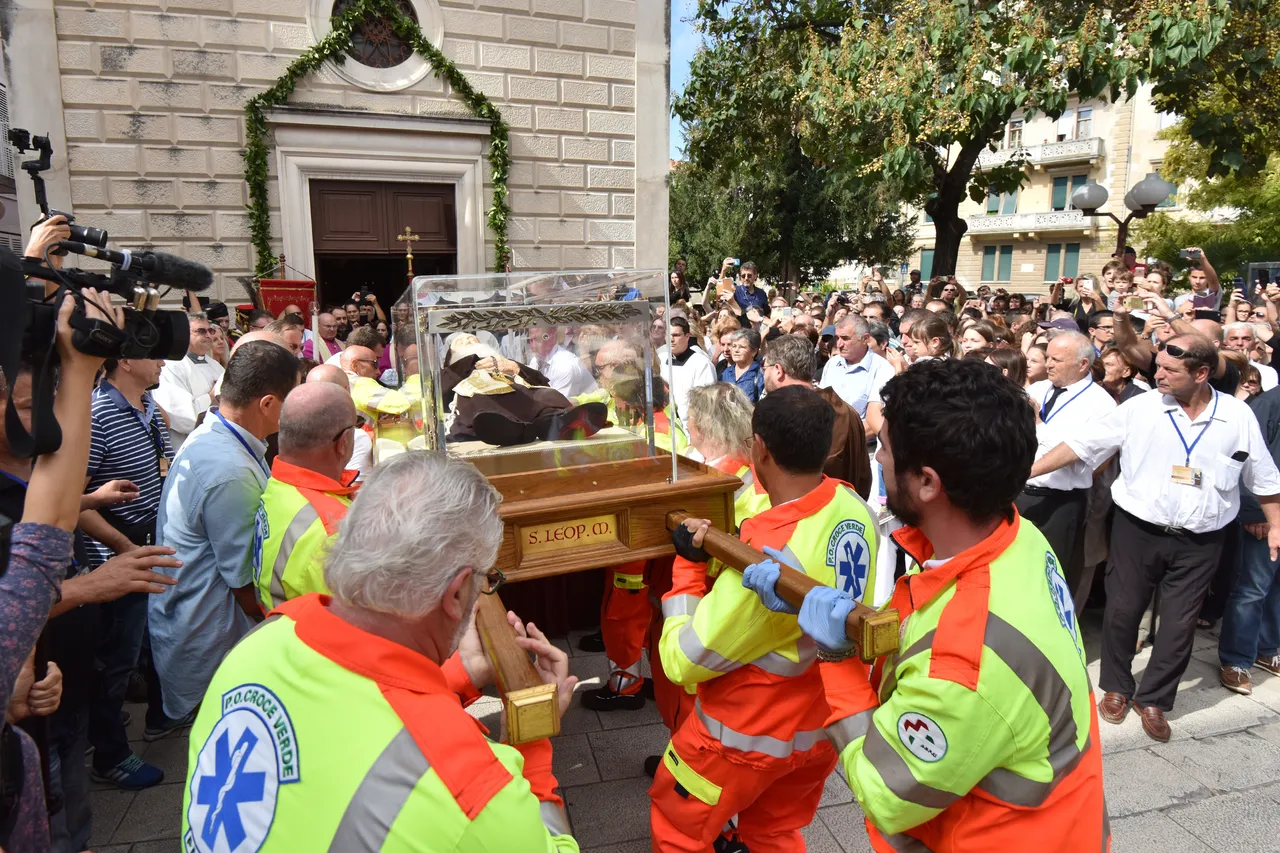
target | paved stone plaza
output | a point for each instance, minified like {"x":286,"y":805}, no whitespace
{"x":1214,"y":787}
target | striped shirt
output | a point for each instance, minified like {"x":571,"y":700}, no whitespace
{"x":123,"y":447}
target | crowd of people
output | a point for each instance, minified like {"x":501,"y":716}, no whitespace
{"x":232,"y":556}
{"x":1191,"y":556}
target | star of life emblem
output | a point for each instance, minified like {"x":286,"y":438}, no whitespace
{"x":248,"y":755}
{"x":850,"y":556}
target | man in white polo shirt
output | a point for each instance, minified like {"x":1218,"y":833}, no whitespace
{"x":1065,"y":403}
{"x":855,"y":372}
{"x":1183,"y":454}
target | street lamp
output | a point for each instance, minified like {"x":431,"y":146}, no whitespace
{"x":1143,"y":198}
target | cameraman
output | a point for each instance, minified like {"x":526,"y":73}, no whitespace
{"x":41,"y":548}
{"x":72,"y":629}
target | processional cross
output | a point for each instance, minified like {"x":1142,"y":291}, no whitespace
{"x":408,"y":238}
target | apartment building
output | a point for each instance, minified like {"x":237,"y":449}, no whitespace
{"x":1025,"y":240}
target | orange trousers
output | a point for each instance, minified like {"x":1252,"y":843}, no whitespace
{"x":774,"y":799}
{"x":673,"y":701}
{"x":625,"y":613}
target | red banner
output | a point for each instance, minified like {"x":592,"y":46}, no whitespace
{"x":279,"y":292}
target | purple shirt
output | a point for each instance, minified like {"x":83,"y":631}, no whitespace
{"x":37,"y":559}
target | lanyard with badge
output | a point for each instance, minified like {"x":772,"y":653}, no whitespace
{"x":243,"y":443}
{"x":149,"y":424}
{"x":1185,"y":475}
{"x":1057,"y":409}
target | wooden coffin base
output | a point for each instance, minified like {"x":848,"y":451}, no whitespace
{"x":589,"y":516}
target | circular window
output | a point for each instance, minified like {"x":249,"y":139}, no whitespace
{"x":379,"y":59}
{"x":374,"y":42}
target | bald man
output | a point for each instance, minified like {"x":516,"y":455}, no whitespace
{"x":308,"y":494}
{"x":359,"y":361}
{"x":361,"y":460}
{"x":260,"y":335}
{"x":329,"y":373}
{"x":329,"y":344}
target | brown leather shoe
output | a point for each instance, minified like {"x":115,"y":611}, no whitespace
{"x":1236,"y":679}
{"x":1270,"y":664}
{"x":1113,"y":708}
{"x":1153,"y":722}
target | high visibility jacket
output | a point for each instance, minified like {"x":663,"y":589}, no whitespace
{"x":298,"y":516}
{"x":758,"y":692}
{"x":748,"y":501}
{"x":315,"y":735}
{"x":980,"y":734}
{"x":391,"y":409}
{"x":669,"y":434}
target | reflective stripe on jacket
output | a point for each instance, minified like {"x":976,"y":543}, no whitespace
{"x":298,"y":516}
{"x":315,"y":735}
{"x":757,"y":688}
{"x":983,"y":735}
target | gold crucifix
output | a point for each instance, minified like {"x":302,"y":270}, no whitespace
{"x":408,"y":238}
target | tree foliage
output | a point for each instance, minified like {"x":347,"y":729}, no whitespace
{"x":911,"y":92}
{"x":1229,"y":100}
{"x":1236,"y":219}
{"x":796,"y":223}
{"x":741,"y":111}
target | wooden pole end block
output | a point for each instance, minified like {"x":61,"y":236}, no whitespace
{"x":533,"y":713}
{"x":879,"y":634}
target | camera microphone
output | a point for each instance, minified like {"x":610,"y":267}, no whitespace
{"x":160,"y":267}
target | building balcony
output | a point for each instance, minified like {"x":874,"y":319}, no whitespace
{"x":1030,"y":225}
{"x":1049,"y":154}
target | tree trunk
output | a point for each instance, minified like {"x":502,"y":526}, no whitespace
{"x":944,"y":208}
{"x":948,"y":231}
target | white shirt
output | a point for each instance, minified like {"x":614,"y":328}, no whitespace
{"x":1268,"y":375}
{"x":1078,"y":405}
{"x":185,"y":393}
{"x":697,"y":370}
{"x":566,"y":372}
{"x":857,"y":384}
{"x":1149,"y":447}
{"x":361,"y":453}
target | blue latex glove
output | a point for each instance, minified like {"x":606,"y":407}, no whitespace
{"x":762,"y":579}
{"x":822,"y":617}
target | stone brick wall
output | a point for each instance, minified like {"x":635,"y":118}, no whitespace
{"x":153,"y":95}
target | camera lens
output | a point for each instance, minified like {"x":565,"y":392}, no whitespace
{"x":89,"y":236}
{"x":174,"y":334}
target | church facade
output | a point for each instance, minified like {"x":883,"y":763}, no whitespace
{"x":144,"y":103}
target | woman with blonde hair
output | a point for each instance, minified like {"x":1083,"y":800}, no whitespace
{"x":719,"y":424}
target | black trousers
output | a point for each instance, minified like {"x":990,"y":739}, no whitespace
{"x":1144,"y":558}
{"x":1059,"y":515}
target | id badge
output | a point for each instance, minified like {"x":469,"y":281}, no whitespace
{"x":1184,"y":476}
{"x":164,"y":467}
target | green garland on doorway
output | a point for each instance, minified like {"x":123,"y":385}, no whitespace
{"x":335,"y":46}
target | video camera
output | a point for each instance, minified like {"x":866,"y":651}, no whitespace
{"x":29,"y":311}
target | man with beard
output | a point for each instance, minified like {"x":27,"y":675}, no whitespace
{"x":362,"y":689}
{"x":980,"y":732}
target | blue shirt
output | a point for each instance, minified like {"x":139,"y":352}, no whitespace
{"x":857,"y":384}
{"x":749,"y":299}
{"x":125,"y":444}
{"x":751,"y":381}
{"x":206,"y":514}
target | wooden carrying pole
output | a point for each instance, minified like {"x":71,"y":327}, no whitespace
{"x":532,"y":708}
{"x":874,"y":632}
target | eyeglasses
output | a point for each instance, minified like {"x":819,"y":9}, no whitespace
{"x":372,"y":361}
{"x":355,"y":425}
{"x":201,"y":332}
{"x":1173,"y":350}
{"x":493,"y":580}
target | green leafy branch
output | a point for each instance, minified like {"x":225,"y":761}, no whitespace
{"x":334,"y":47}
